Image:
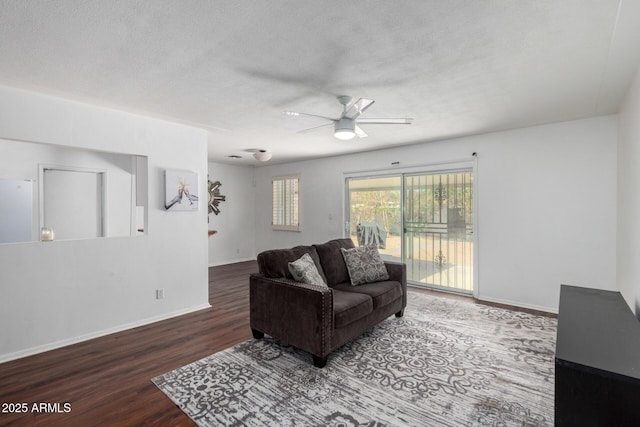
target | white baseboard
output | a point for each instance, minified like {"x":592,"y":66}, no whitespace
{"x":216,"y":264}
{"x":519,"y":304}
{"x":63,"y":343}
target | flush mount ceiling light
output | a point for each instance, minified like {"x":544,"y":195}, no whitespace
{"x":345,"y":129}
{"x":262,"y":155}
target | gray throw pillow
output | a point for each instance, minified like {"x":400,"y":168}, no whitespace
{"x":365,"y":265}
{"x":304,"y":270}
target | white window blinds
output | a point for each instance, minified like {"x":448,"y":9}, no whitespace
{"x":285,"y":191}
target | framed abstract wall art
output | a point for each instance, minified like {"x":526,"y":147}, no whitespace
{"x":181,"y":190}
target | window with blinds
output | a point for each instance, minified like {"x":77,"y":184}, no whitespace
{"x":285,"y":190}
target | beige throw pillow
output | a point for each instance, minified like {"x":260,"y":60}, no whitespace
{"x":304,"y":270}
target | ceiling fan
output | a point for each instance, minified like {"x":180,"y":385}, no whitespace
{"x":346,"y":126}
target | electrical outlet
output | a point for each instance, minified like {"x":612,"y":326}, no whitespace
{"x":159,"y":293}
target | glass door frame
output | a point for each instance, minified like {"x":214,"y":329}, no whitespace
{"x":431,"y":168}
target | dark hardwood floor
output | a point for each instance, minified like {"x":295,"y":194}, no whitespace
{"x":107,"y":380}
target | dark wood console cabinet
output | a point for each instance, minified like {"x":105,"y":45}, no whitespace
{"x":597,"y":368}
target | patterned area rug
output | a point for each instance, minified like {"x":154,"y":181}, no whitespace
{"x":446,"y":363}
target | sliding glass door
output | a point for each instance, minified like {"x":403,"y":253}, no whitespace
{"x":375,"y":214}
{"x":422,"y":219}
{"x":438,"y":229}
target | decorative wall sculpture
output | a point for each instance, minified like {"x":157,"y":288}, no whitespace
{"x":215,"y":197}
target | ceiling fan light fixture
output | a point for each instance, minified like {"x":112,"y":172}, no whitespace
{"x":262,"y":155}
{"x":346,"y":126}
{"x":345,"y":129}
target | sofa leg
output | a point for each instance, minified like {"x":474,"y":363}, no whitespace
{"x":400,"y":313}
{"x":319,"y":362}
{"x":257,"y":334}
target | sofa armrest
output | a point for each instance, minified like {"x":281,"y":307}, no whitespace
{"x":398,"y":272}
{"x":294,"y":313}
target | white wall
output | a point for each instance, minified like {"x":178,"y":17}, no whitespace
{"x":235,"y":224}
{"x":628,"y":230}
{"x":57,"y":293}
{"x":546,"y":196}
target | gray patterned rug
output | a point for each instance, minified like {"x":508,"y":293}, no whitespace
{"x":446,"y":363}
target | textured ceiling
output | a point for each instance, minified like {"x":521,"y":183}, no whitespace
{"x":456,"y":67}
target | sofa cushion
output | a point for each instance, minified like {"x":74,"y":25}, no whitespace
{"x":275,"y":263}
{"x":332,"y":262}
{"x":382,"y":293}
{"x":350,"y":306}
{"x":304,"y":270}
{"x":364,"y":265}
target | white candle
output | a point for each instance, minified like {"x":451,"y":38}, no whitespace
{"x":47,"y":234}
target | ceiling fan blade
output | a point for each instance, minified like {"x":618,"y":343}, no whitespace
{"x":360,"y":132}
{"x":358,"y":108}
{"x":315,"y":127}
{"x":296,"y":114}
{"x":386,"y":121}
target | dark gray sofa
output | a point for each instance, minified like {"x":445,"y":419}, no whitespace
{"x":315,"y":318}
